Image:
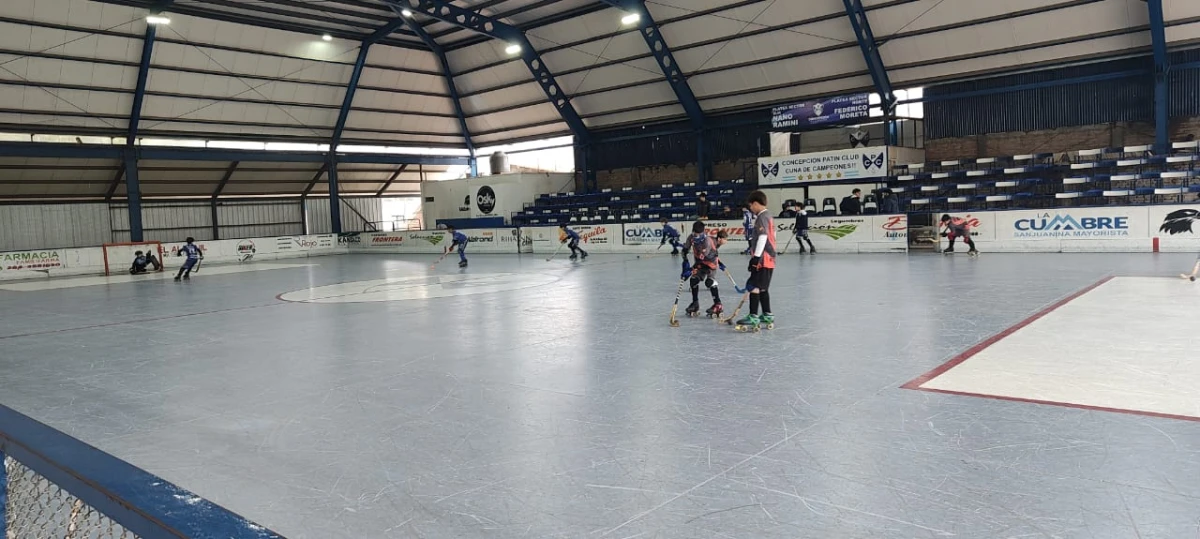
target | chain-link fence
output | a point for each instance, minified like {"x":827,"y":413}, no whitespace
{"x":36,"y":508}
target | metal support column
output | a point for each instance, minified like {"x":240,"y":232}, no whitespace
{"x":1162,"y":73}
{"x":701,"y":157}
{"x":3,"y":497}
{"x":133,"y":195}
{"x":879,"y":76}
{"x":216,"y":226}
{"x":335,"y":201}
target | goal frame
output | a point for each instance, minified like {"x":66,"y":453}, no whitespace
{"x":156,"y":247}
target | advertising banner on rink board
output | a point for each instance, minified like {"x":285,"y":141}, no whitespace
{"x":1115,"y":223}
{"x":832,"y":110}
{"x":847,"y":234}
{"x":246,"y":250}
{"x":857,"y":163}
{"x":484,"y":240}
{"x":43,"y":260}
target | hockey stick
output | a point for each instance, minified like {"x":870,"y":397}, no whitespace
{"x":789,"y":244}
{"x":736,"y":310}
{"x":674,"y":308}
{"x":560,"y":246}
{"x":736,"y":288}
{"x":197,"y":268}
{"x":1192,"y":276}
{"x":439,"y":260}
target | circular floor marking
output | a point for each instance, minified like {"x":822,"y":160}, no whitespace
{"x":418,"y":287}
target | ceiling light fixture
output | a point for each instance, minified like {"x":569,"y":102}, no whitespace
{"x":327,"y":37}
{"x":157,"y":19}
{"x":513,"y":49}
{"x":406,"y":13}
{"x":631,"y":18}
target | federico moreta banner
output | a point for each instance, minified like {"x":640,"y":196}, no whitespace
{"x":857,"y":163}
{"x":826,"y":111}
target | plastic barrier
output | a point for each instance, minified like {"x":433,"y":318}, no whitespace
{"x":1084,"y":230}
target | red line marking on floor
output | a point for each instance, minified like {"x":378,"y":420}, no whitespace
{"x":957,"y":360}
{"x":1063,"y":404}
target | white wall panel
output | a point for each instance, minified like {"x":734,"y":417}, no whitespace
{"x":793,"y":70}
{"x":1048,"y":54}
{"x":204,"y":109}
{"x":1183,"y":33}
{"x":1174,"y":10}
{"x":609,"y":76}
{"x":772,"y":45}
{"x":318,"y":214}
{"x":484,"y":53}
{"x":75,"y":13}
{"x":399,"y":80}
{"x":45,"y":226}
{"x":259,"y":188}
{"x":401,"y":58}
{"x":546,"y":131}
{"x":734,"y":22}
{"x":507,"y":73}
{"x":181,"y":82}
{"x":633,"y":117}
{"x":599,"y":23}
{"x":542,"y":112}
{"x":402,"y":140}
{"x":167,"y":53}
{"x":790,"y":93}
{"x":659,"y":92}
{"x":32,"y":120}
{"x":516,"y":95}
{"x":433,"y":125}
{"x":149,"y":127}
{"x":621,"y":46}
{"x":1061,"y":24}
{"x":402,"y":102}
{"x":212,"y":32}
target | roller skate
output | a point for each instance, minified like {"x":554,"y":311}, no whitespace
{"x":674,"y":253}
{"x":584,"y":257}
{"x":462,"y":263}
{"x":767,"y":321}
{"x":573,"y":257}
{"x":973,"y":252}
{"x":948,"y":251}
{"x":692,"y":310}
{"x":715,"y":311}
{"x":749,"y":323}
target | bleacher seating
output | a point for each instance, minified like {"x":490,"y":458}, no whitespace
{"x":1093,"y":177}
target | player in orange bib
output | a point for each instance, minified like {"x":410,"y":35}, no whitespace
{"x":762,"y":265}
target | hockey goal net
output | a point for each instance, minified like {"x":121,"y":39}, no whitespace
{"x":118,"y":257}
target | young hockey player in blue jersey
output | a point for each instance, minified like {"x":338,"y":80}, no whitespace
{"x":194,"y":256}
{"x":572,"y":239}
{"x":458,"y":239}
{"x":704,"y":250}
{"x":141,"y":260}
{"x":670,"y":234}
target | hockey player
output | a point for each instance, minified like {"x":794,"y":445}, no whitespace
{"x":571,"y":238}
{"x":141,"y":260}
{"x":705,"y":251}
{"x":955,"y":227}
{"x":670,"y":234}
{"x":802,"y":231}
{"x":194,"y":256}
{"x":457,"y":239}
{"x":747,"y":226}
{"x":762,"y":265}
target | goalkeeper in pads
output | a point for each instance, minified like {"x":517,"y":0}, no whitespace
{"x":142,"y":260}
{"x":194,"y":256}
{"x":708,"y":262}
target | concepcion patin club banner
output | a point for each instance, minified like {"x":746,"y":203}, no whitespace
{"x":857,"y":163}
{"x":826,"y":111}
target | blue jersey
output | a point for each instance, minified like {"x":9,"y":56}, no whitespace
{"x":747,"y":221}
{"x":191,"y":250}
{"x":670,"y":232}
{"x":459,"y":238}
{"x":571,"y":234}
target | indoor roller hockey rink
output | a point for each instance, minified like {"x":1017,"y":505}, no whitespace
{"x":356,"y":396}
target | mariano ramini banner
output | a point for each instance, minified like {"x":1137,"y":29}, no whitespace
{"x":852,"y":164}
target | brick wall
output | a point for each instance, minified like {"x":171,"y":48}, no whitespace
{"x":1056,"y":141}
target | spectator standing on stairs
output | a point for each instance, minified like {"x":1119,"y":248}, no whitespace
{"x":703,"y":207}
{"x":852,"y":205}
{"x":890,"y":204}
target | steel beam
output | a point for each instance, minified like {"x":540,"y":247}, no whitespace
{"x":453,"y":89}
{"x":465,"y":18}
{"x":316,"y":178}
{"x":355,"y":75}
{"x":139,"y":91}
{"x":116,"y":182}
{"x":216,"y":226}
{"x":1162,"y":73}
{"x":133,"y":197}
{"x":391,"y":180}
{"x":875,"y":66}
{"x":335,"y":201}
{"x":666,"y":61}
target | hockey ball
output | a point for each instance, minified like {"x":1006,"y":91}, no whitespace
{"x":1193,"y":279}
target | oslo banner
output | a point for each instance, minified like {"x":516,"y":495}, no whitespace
{"x":859,"y":163}
{"x":826,"y":111}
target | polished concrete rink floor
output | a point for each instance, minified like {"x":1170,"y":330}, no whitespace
{"x":369,"y":396}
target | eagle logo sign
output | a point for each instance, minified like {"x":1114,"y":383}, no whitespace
{"x":769,"y":171}
{"x":1179,"y":222}
{"x":818,"y":109}
{"x":876,"y":161}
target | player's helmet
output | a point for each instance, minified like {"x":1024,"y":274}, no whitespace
{"x":137,"y":253}
{"x":945,"y":217}
{"x":190,"y":239}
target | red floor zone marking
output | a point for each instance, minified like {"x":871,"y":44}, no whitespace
{"x":970,"y":352}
